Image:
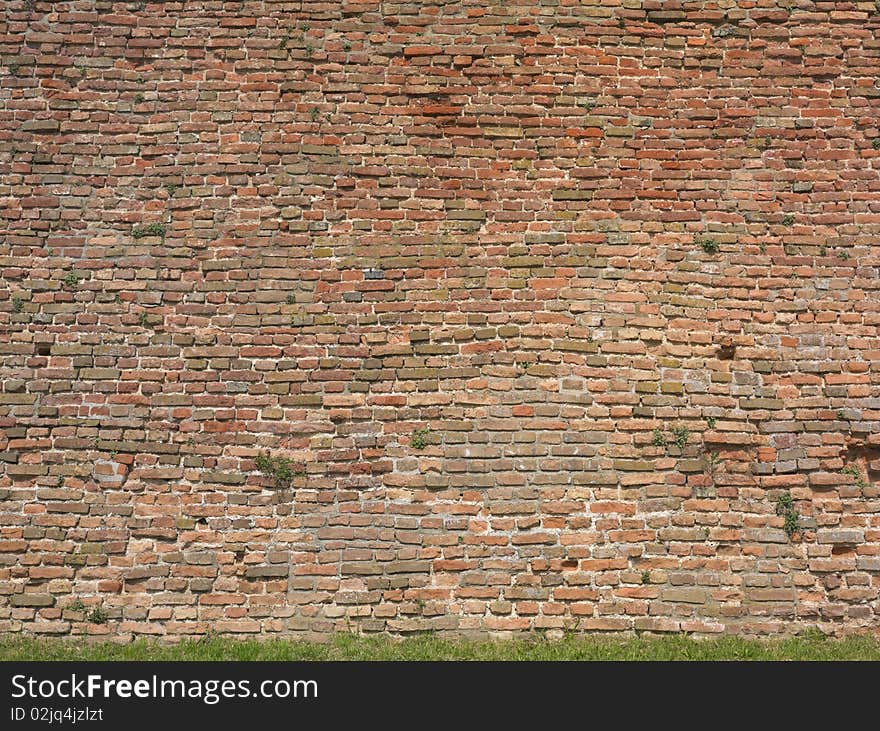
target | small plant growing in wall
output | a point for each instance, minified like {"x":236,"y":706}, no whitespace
{"x":587,"y":103}
{"x":151,"y":229}
{"x":707,"y":244}
{"x":71,"y":279}
{"x":713,"y":459}
{"x":857,"y":475}
{"x":97,"y":616}
{"x":788,"y":219}
{"x":17,"y":305}
{"x":785,"y":508}
{"x":77,"y":605}
{"x":658,"y":439}
{"x":680,"y":435}
{"x":419,"y":438}
{"x":280,"y":469}
{"x":711,"y":421}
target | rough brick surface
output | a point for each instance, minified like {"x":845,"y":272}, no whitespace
{"x":547,"y":305}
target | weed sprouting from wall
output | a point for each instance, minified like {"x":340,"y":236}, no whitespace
{"x":281,"y":469}
{"x":786,"y":508}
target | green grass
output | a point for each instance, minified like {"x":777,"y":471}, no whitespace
{"x":429,"y":647}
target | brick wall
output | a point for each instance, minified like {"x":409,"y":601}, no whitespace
{"x":465,"y":316}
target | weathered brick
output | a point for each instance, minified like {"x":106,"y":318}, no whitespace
{"x":840,"y":536}
{"x":31,"y":600}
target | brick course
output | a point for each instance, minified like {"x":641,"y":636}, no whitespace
{"x":550,"y":306}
